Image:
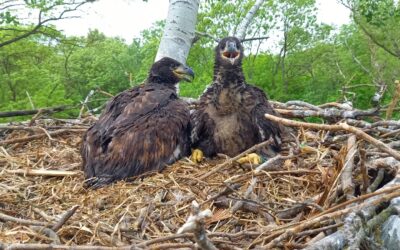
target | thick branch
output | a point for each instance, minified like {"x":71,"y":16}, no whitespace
{"x":241,"y":33}
{"x":34,"y":137}
{"x":339,"y":127}
{"x":327,"y":113}
{"x":347,"y":175}
{"x":43,"y":172}
{"x":33,"y":111}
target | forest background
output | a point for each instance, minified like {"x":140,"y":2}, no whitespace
{"x":359,"y":62}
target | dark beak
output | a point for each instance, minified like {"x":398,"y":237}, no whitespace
{"x":231,"y":47}
{"x":184,"y":73}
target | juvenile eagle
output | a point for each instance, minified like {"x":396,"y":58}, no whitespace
{"x":141,"y":129}
{"x":230,"y":116}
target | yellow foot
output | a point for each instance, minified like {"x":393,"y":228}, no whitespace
{"x":197,"y":155}
{"x":252,"y":158}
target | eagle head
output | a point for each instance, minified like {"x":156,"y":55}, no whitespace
{"x":229,"y":51}
{"x":169,"y":71}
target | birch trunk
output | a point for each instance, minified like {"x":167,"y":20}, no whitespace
{"x":241,"y":32}
{"x":179,"y":30}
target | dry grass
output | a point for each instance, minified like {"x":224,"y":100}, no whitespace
{"x":155,"y":207}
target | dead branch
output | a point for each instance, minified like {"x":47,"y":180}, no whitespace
{"x":48,"y":232}
{"x":298,"y":208}
{"x":360,"y":198}
{"x":228,"y":190}
{"x":230,"y":160}
{"x":266,"y":166}
{"x":255,"y":38}
{"x":195,"y":223}
{"x":346,"y":105}
{"x":241,"y":32}
{"x":355,"y":229}
{"x":35,"y":137}
{"x":5,"y":217}
{"x":318,"y":230}
{"x":303,"y":104}
{"x":64,"y":218}
{"x":347,"y":184}
{"x":84,"y":103}
{"x":330,"y":113}
{"x":247,"y":206}
{"x":19,"y":246}
{"x":35,"y":111}
{"x":146,"y":244}
{"x":246,"y":195}
{"x":341,"y":126}
{"x":313,"y":221}
{"x":363,"y":168}
{"x":43,"y":172}
{"x":378,"y":180}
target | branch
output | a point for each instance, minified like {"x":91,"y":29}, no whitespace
{"x":199,"y":33}
{"x":5,"y":217}
{"x":346,"y":178}
{"x":327,"y":113}
{"x":271,"y":162}
{"x":34,"y":137}
{"x":43,"y":172}
{"x":195,"y":223}
{"x":241,"y":32}
{"x":339,"y":127}
{"x":254,"y":38}
{"x":34,"y":111}
{"x":41,"y":23}
{"x":230,"y":160}
{"x":328,"y":216}
{"x":64,"y":218}
{"x":303,"y":104}
{"x":18,"y":246}
{"x":238,"y":205}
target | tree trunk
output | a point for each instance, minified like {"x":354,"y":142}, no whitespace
{"x":179,"y":30}
{"x":241,"y":33}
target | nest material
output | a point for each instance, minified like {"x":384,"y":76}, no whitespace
{"x":249,"y":208}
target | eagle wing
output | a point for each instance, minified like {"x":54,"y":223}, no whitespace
{"x":141,"y":130}
{"x":202,"y":125}
{"x":261,"y":106}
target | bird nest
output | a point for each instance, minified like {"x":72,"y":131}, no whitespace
{"x":291,"y":201}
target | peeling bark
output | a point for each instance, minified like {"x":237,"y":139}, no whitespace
{"x":179,"y":30}
{"x":241,"y":32}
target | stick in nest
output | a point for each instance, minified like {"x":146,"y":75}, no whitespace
{"x":195,"y":223}
{"x":64,"y":218}
{"x":313,"y":221}
{"x":34,"y":137}
{"x":338,"y":127}
{"x":230,"y":160}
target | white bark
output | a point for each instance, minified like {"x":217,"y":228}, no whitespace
{"x":241,"y":32}
{"x":179,"y":30}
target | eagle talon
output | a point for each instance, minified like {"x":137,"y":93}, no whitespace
{"x":252,"y":158}
{"x":197,"y":156}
